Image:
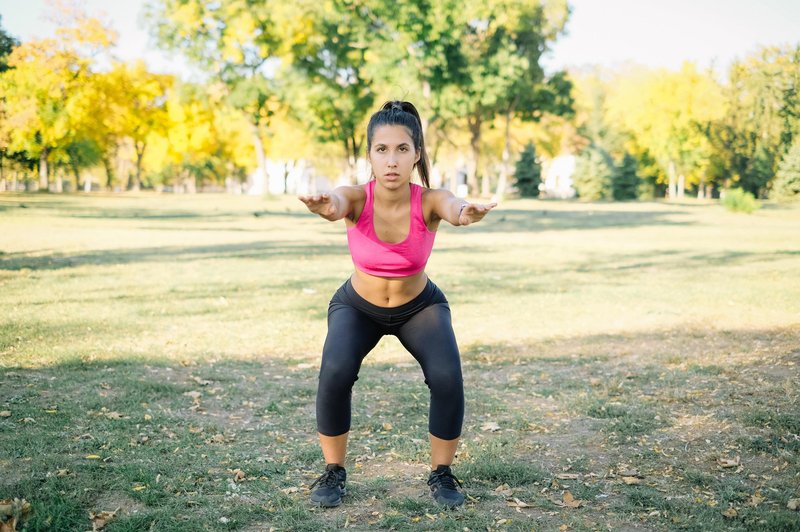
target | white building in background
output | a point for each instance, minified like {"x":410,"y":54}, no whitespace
{"x":557,"y":177}
{"x":286,"y":177}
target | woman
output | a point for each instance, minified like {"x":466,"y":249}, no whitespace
{"x":391,"y":225}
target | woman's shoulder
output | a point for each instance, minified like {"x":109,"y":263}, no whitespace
{"x":434,"y":195}
{"x":353,"y":192}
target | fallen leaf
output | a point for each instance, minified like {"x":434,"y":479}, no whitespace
{"x":729,"y":462}
{"x":630,"y":473}
{"x":504,"y":489}
{"x":238,"y":475}
{"x":113,"y":415}
{"x":194,"y":395}
{"x":101,"y":519}
{"x":201,"y":382}
{"x":93,"y":457}
{"x":387,"y":426}
{"x":62,"y":472}
{"x":491,"y":426}
{"x":793,"y":504}
{"x":289,"y":490}
{"x":571,"y":501}
{"x":516,"y":503}
{"x":730,"y":512}
{"x":5,"y":413}
{"x":755,"y":500}
{"x":631,"y":480}
{"x":568,"y":476}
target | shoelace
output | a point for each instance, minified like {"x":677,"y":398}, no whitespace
{"x":444,"y":479}
{"x":329,"y":479}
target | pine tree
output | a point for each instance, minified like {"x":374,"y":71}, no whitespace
{"x":528,"y":172}
{"x":625,"y":181}
{"x":593,"y":171}
{"x":787,"y":181}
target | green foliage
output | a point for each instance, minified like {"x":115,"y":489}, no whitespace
{"x":738,"y":200}
{"x":593,"y":174}
{"x":7,"y":43}
{"x":787,"y":180}
{"x":625,"y":181}
{"x":762,"y":118}
{"x":528,"y":172}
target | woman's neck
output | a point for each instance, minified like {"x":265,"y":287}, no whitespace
{"x":390,"y":199}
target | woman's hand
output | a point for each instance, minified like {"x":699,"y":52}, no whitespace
{"x":322,"y":204}
{"x":474,"y":212}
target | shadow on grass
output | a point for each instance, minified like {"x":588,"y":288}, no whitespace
{"x":249,"y":250}
{"x":544,"y":219}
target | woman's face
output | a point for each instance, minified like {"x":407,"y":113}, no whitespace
{"x":392,"y":155}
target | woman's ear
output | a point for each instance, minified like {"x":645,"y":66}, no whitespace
{"x":419,"y":154}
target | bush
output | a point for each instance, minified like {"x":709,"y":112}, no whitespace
{"x":593,"y":171}
{"x":625,"y":180}
{"x":528,"y":172}
{"x":787,"y":180}
{"x":737,"y":200}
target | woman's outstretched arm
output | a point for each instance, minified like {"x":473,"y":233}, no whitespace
{"x":336,"y":204}
{"x":458,"y":211}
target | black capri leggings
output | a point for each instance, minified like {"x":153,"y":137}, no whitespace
{"x":423,"y":327}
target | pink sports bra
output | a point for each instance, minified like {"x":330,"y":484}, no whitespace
{"x":376,"y":257}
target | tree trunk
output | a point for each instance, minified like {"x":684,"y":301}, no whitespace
{"x":260,"y":155}
{"x":672,"y":187}
{"x":137,"y":182}
{"x":504,"y":167}
{"x":475,"y":143}
{"x":352,"y":159}
{"x":44,"y":178}
{"x":87,"y":184}
{"x":109,"y":166}
{"x":59,"y":175}
{"x":701,"y":190}
{"x":681,"y":185}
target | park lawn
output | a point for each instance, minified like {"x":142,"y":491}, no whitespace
{"x":628,"y":366}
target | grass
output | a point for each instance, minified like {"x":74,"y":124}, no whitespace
{"x":158,"y":357}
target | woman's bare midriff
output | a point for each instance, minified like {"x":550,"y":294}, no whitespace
{"x":388,"y":291}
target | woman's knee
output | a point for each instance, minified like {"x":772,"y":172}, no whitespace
{"x":445,"y":382}
{"x":337,"y":377}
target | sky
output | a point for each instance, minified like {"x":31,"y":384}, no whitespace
{"x":655,"y":33}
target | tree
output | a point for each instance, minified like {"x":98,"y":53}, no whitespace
{"x":528,"y":172}
{"x":237,"y":42}
{"x":43,"y":88}
{"x":330,"y":78}
{"x":625,"y":181}
{"x":762,"y":119}
{"x":668,"y":114}
{"x":787,"y":180}
{"x":592,"y":177}
{"x":7,"y":44}
{"x":499,"y":71}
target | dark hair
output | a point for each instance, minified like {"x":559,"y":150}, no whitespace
{"x":397,"y":113}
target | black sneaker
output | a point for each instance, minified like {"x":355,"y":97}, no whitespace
{"x":443,"y":487}
{"x":330,"y":486}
